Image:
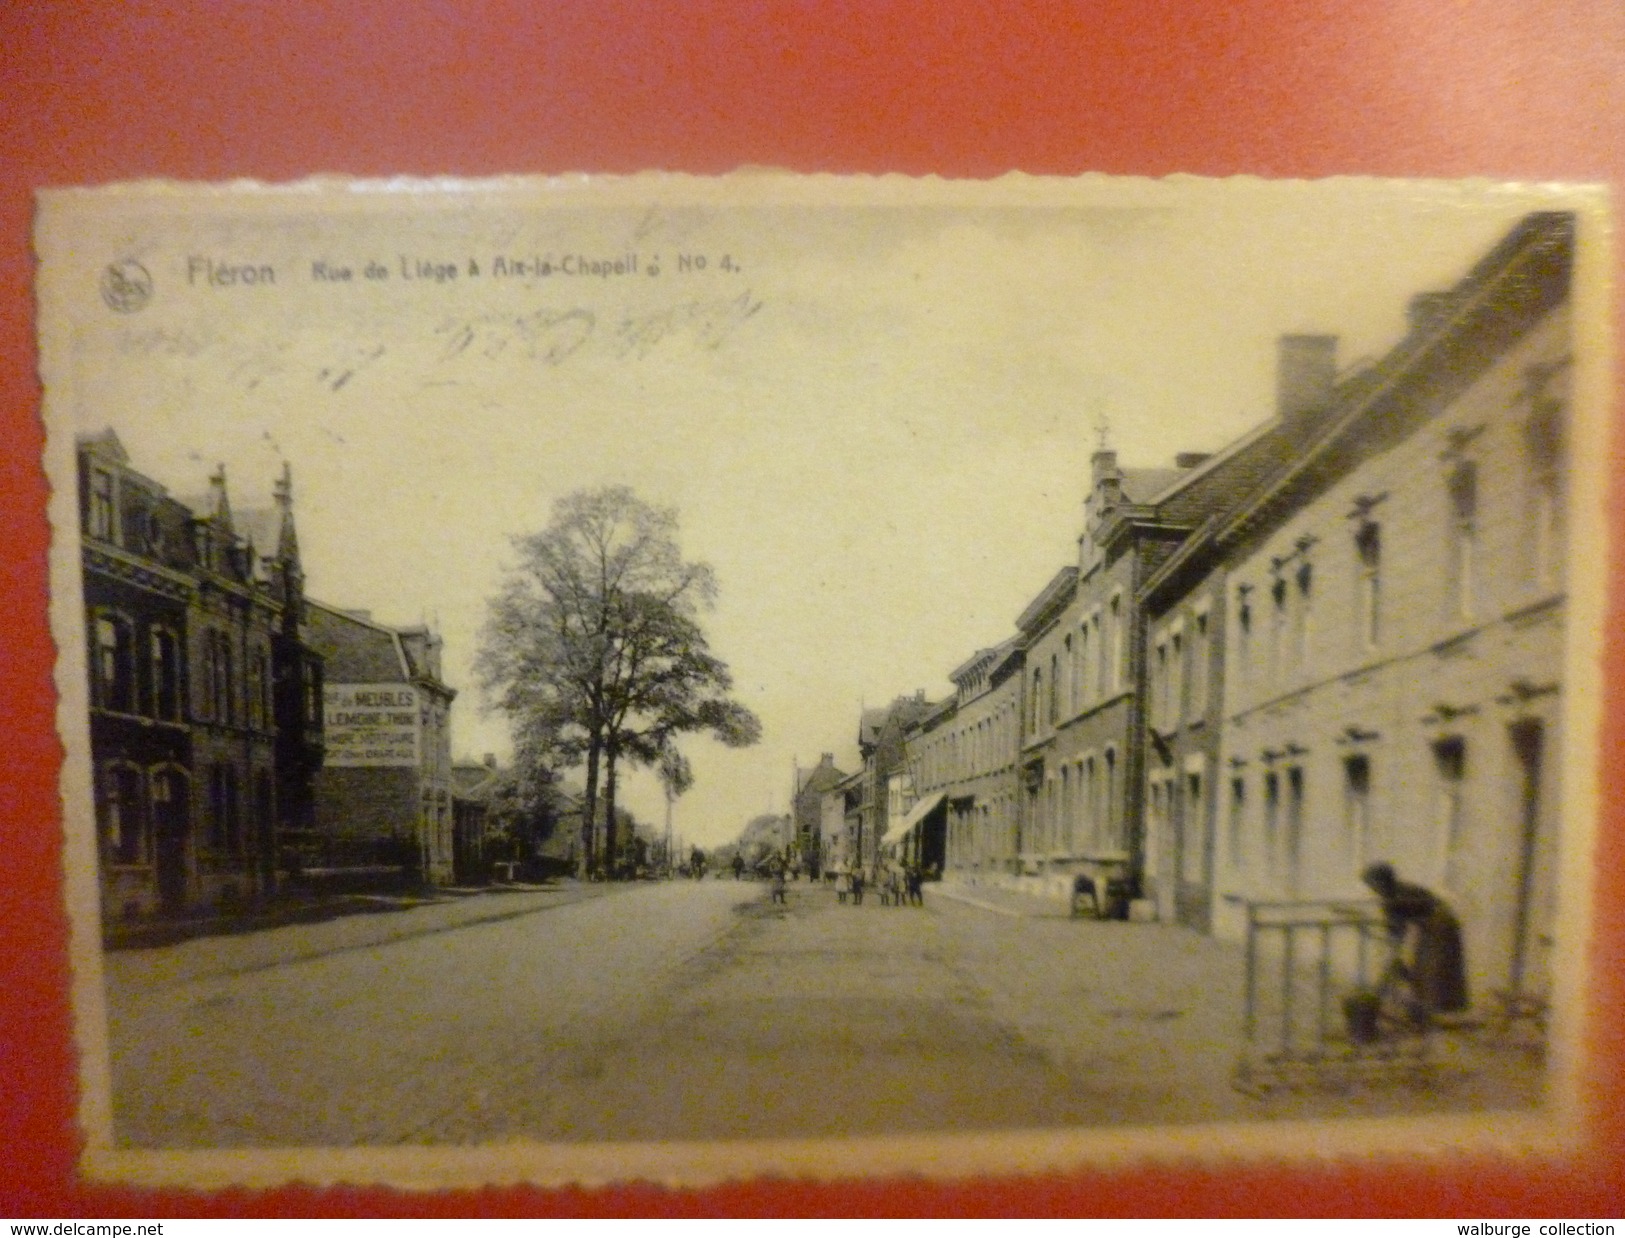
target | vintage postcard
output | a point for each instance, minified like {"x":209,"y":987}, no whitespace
{"x":581,"y":680}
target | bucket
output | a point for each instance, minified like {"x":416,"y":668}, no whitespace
{"x":1360,"y":1012}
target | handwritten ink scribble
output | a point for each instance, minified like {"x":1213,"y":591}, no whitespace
{"x":335,"y":376}
{"x":254,"y":364}
{"x":707,"y":323}
{"x":160,"y":342}
{"x":545,"y":335}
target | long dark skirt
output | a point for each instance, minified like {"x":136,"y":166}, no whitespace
{"x":1439,"y":969}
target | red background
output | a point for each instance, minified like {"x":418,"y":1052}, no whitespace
{"x":1503,"y":88}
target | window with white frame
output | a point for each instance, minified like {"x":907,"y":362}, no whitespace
{"x":115,"y":663}
{"x":124,"y":822}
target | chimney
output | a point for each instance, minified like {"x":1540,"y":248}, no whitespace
{"x":218,"y":502}
{"x":490,"y":760}
{"x":1190,"y":459}
{"x":1305,"y":372}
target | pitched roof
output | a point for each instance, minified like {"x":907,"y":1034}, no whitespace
{"x":1142,"y":485}
{"x":354,"y":650}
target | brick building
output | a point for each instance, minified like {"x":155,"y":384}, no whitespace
{"x":383,"y":798}
{"x":807,"y":812}
{"x":962,"y":758}
{"x":1395,"y":625}
{"x":202,"y":745}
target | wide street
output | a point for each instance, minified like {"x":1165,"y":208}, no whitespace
{"x":682,"y":1010}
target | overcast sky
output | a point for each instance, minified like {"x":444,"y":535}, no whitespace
{"x":875,"y":420}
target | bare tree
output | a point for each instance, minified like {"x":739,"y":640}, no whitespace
{"x":593,"y":647}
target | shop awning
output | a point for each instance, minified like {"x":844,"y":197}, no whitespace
{"x":921,"y":811}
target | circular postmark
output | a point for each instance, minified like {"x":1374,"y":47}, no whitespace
{"x":126,"y":286}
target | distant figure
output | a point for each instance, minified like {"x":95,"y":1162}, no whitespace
{"x":778,"y":883}
{"x":913,"y":878}
{"x":857,"y":886}
{"x":1428,"y":954}
{"x":739,"y":867}
{"x":843,"y":883}
{"x":696,"y":862}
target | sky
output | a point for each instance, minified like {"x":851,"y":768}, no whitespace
{"x":873,"y":406}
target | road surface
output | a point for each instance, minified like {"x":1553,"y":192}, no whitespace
{"x":694,"y":1010}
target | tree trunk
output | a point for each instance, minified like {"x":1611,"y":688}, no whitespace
{"x":589,"y":806}
{"x":609,"y":810}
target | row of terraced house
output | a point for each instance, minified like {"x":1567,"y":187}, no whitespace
{"x":243,"y":735}
{"x":1338,"y":640}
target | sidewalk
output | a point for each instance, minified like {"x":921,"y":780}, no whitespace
{"x":1150,"y":1018}
{"x":355,"y":922}
{"x":1001,"y":900}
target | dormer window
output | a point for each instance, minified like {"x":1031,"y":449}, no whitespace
{"x":103,"y":523}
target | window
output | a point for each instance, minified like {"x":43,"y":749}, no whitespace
{"x":1278,"y":600}
{"x":1114,"y":652}
{"x":1159,"y":686}
{"x":1303,"y":616}
{"x":1176,"y":677}
{"x":1038,"y":696}
{"x":1463,"y":488}
{"x":1064,"y":833}
{"x":1091,"y":802}
{"x":1368,"y":617}
{"x":1236,"y":822}
{"x":256,"y":690}
{"x":1272,"y":826}
{"x":166,"y":676}
{"x":1082,"y":682}
{"x":1357,"y":810}
{"x":1450,"y":769}
{"x":1054,"y":688}
{"x":125,"y":835}
{"x":102,"y":514}
{"x":1200,"y":655}
{"x":1109,"y":806}
{"x":114,"y":664}
{"x":1543,"y":443}
{"x":1100,"y":653}
{"x":1294,"y":829}
{"x":311,"y":684}
{"x":225,"y":825}
{"x":1193,"y":829}
{"x":217,"y":646}
{"x":1244,"y":633}
{"x":1071,"y":677}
